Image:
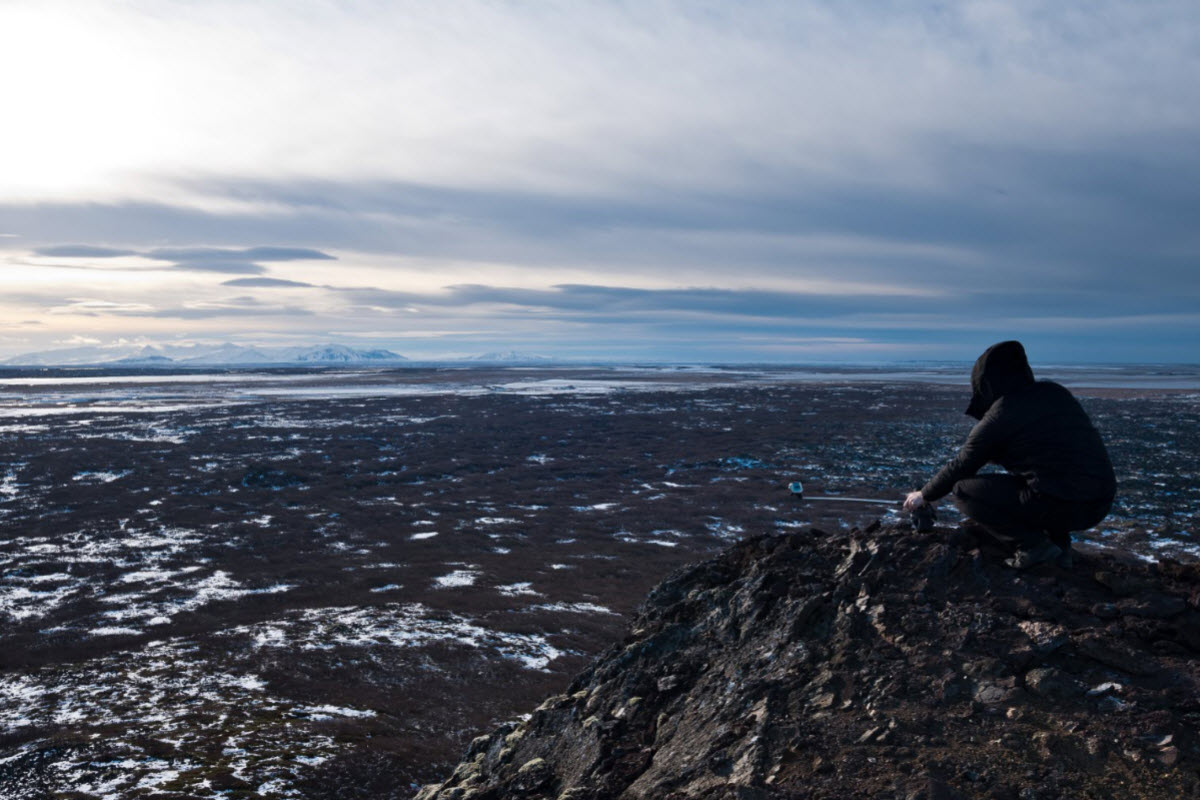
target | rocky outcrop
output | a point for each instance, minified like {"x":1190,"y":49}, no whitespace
{"x":882,"y":663}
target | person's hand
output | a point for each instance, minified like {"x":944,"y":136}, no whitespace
{"x":913,"y":501}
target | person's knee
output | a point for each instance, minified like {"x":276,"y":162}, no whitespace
{"x":977,"y":488}
{"x":1089,"y":516}
{"x":960,"y":496}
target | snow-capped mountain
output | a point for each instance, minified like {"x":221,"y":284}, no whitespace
{"x":340,"y":354}
{"x":193,"y":355}
{"x":511,"y":357}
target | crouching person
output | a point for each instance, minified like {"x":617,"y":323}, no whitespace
{"x":1059,"y":478}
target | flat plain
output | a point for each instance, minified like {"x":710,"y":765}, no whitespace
{"x":320,"y":584}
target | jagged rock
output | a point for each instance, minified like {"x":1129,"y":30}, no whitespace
{"x":1154,"y":606}
{"x":1115,"y":654}
{"x":1124,"y":583}
{"x":1045,"y":637}
{"x":1188,"y":631}
{"x":813,"y":667}
{"x":1109,"y":704}
{"x":995,"y":693}
{"x":933,"y":789}
{"x":1052,"y":683}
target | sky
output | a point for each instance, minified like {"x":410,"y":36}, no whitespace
{"x":644,"y":180}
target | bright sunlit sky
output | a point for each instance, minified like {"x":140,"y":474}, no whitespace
{"x":752,"y":180}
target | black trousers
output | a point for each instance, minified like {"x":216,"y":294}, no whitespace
{"x":1006,"y":506}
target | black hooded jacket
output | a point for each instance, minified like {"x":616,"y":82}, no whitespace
{"x":1035,"y":429}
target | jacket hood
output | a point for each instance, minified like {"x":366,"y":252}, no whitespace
{"x":1001,"y":369}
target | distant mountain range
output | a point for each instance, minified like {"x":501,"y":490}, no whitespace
{"x":229,"y":354}
{"x":510,"y":357}
{"x":203,"y":355}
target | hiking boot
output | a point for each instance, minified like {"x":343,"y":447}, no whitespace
{"x":1039,"y":554}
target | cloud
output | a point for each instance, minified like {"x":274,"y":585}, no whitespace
{"x":92,"y":307}
{"x":265,"y":283}
{"x":190,"y":255}
{"x":286,"y":254}
{"x":229,"y":307}
{"x":959,"y":166}
{"x":987,"y":301}
{"x":1075,"y":221}
{"x":1062,"y":235}
{"x":234,"y":267}
{"x":592,"y":96}
{"x":200,"y":259}
{"x":617,"y":301}
{"x":238,"y":261}
{"x":82,"y":251}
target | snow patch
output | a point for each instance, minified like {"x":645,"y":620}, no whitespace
{"x":516,"y":589}
{"x":457,"y":578}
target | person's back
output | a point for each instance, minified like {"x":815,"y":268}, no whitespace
{"x":1048,"y":439}
{"x":1059,"y":477}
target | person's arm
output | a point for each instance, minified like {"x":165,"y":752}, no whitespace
{"x":979,"y":448}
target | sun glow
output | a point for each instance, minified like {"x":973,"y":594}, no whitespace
{"x":81,"y":105}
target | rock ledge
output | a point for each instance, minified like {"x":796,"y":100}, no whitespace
{"x":880,"y":663}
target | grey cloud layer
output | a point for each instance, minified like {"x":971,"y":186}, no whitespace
{"x":1084,"y":230}
{"x":261,"y":283}
{"x":199,"y":259}
{"x":233,"y":307}
{"x":616,"y":304}
{"x":1014,"y":163}
{"x":82,"y":251}
{"x":193,"y":255}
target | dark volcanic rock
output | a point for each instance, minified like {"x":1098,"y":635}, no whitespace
{"x":874,"y":664}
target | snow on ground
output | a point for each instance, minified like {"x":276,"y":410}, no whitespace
{"x":173,"y":555}
{"x":517,"y":589}
{"x":398,"y":625}
{"x":150,"y":711}
{"x":158,"y":578}
{"x":456,"y":579}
